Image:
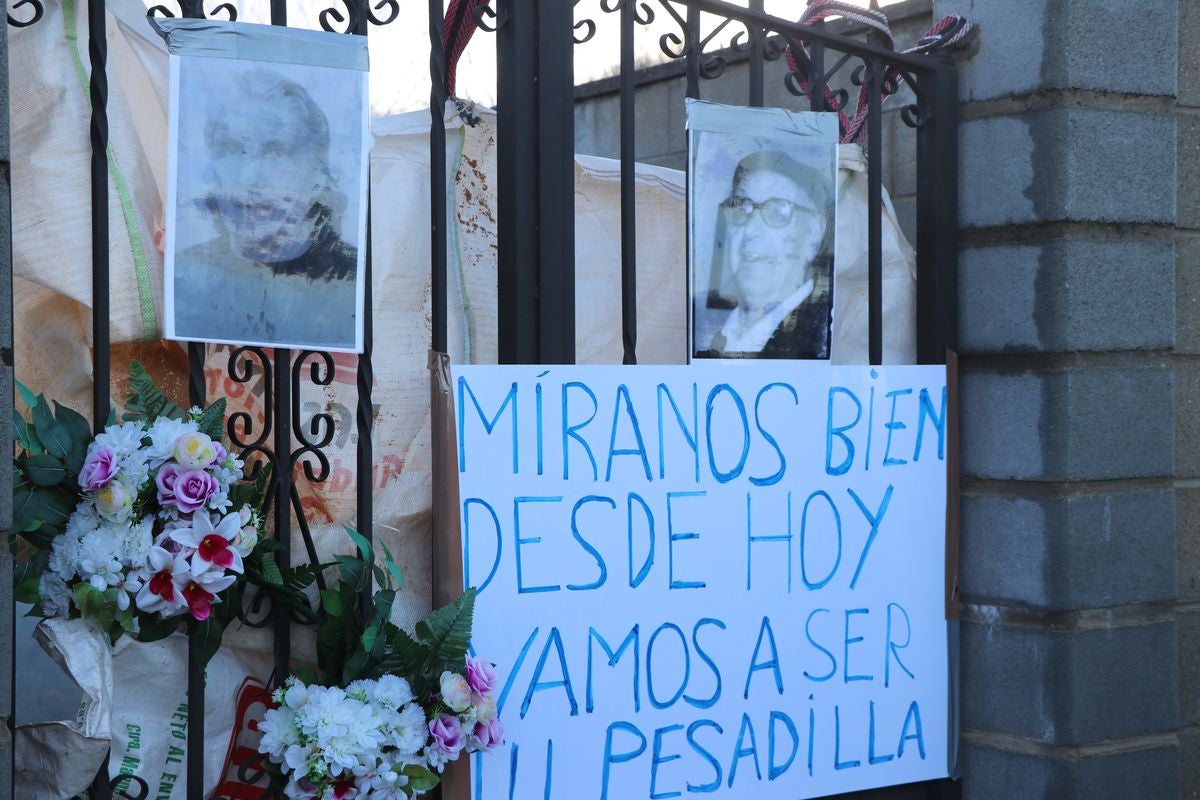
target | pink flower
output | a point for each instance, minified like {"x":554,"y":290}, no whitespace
{"x":489,"y":734}
{"x":480,"y":675}
{"x":199,"y":600}
{"x":165,"y":481}
{"x":447,"y":733}
{"x":193,"y":489}
{"x":220,"y":453}
{"x":98,"y":468}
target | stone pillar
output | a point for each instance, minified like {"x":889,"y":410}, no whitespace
{"x":1079,"y":276}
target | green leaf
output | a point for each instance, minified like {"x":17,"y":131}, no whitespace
{"x":392,"y":567}
{"x":354,"y":667}
{"x":331,"y":601}
{"x":360,"y":541}
{"x":42,"y":538}
{"x":368,"y":638}
{"x":271,"y":573}
{"x":420,"y":779}
{"x":26,"y":591}
{"x":447,"y":632}
{"x":25,"y":435}
{"x":53,"y":435}
{"x":384,"y":599}
{"x":147,"y":402}
{"x":155,"y":627}
{"x":405,"y":656}
{"x":28,"y":397}
{"x":73,"y":421}
{"x":352,"y":571}
{"x":212,"y":420}
{"x":30,"y":569}
{"x":25,"y":508}
{"x":306,"y":675}
{"x":55,"y":505}
{"x":204,"y":639}
{"x":44,"y":469}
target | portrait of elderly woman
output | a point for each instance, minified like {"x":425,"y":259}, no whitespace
{"x":762,"y":215}
{"x":267,"y":227}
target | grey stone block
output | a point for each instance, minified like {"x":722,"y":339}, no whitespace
{"x":6,"y":764}
{"x":1070,"y":687}
{"x":1067,"y":296}
{"x":597,"y":132}
{"x":1187,"y":214}
{"x":1187,"y":419}
{"x":1189,"y":54}
{"x":1063,"y":164}
{"x":1087,"y":424}
{"x":1189,"y":765}
{"x":1065,"y":554}
{"x":1189,"y":669}
{"x":6,"y":632}
{"x":1187,"y":295}
{"x":1068,"y":44}
{"x":990,"y":774}
{"x":1187,"y":527}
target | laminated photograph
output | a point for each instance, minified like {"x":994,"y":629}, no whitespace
{"x":267,"y":182}
{"x":762,"y":208}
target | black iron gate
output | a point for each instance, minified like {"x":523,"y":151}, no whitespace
{"x":536,"y":289}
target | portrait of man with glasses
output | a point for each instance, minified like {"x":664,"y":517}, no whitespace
{"x":762,"y":204}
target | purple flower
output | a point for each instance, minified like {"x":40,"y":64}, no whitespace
{"x":480,"y":676}
{"x":447,"y":733}
{"x":165,"y":481}
{"x":193,"y":489}
{"x":98,"y":468}
{"x":489,"y":734}
{"x":220,"y":452}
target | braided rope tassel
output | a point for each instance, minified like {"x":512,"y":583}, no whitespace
{"x":460,"y":26}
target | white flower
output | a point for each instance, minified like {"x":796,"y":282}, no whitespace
{"x":124,"y":439}
{"x":436,"y":756}
{"x":485,"y":709}
{"x":166,"y":574}
{"x":279,"y":732}
{"x":212,"y":543}
{"x":99,"y":558}
{"x":456,"y":692}
{"x":115,"y":499}
{"x":55,"y":595}
{"x":409,"y":730}
{"x":64,"y":555}
{"x":194,"y":450}
{"x":137,"y":541}
{"x":163,"y":434}
{"x":391,"y":691}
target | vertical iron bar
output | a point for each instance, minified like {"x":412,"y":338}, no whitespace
{"x":929,"y":226}
{"x":628,"y":186}
{"x":437,"y":172}
{"x":945,"y":122}
{"x":364,"y":513}
{"x":282,"y":476}
{"x":195,"y":675}
{"x":516,"y":189}
{"x":279,"y":12}
{"x":875,"y":210}
{"x":694,"y":56}
{"x":816,"y":81}
{"x":98,"y":56}
{"x":556,"y":181}
{"x":757,"y":42}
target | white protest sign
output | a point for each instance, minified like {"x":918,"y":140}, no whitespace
{"x":719,"y":579}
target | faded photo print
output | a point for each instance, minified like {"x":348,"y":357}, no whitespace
{"x":762,"y":202}
{"x":265,"y":242}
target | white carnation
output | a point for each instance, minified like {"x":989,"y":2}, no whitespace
{"x":64,"y":556}
{"x":136,"y":542}
{"x":124,"y":439}
{"x":391,"y":691}
{"x":163,"y":433}
{"x":55,"y":595}
{"x":409,"y":730}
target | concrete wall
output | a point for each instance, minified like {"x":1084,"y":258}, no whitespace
{"x":1080,"y":558}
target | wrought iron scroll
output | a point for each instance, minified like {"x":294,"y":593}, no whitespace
{"x":36,"y":12}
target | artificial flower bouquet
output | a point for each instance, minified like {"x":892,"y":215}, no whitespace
{"x":390,"y":710}
{"x":142,"y":525}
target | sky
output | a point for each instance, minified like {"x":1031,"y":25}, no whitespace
{"x":400,"y":60}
